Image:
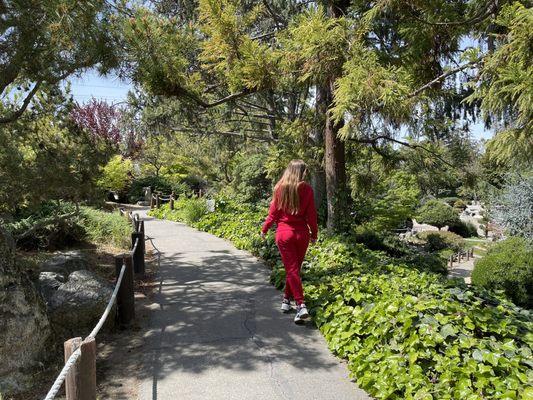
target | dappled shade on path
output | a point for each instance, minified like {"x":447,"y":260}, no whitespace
{"x":217,"y":333}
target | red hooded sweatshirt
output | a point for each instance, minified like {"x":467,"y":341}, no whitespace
{"x":304,"y":219}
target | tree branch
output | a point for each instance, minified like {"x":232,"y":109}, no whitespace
{"x":373,"y":142}
{"x":15,"y":115}
{"x":263,"y":36}
{"x":179,"y":91}
{"x":224,"y":133}
{"x":444,"y":76}
{"x":482,"y":15}
{"x":280,"y":21}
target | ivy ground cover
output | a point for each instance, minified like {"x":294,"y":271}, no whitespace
{"x":406,"y":334}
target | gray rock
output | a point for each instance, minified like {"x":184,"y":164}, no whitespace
{"x":66,"y":262}
{"x":49,"y":282}
{"x":76,"y":306}
{"x":24,"y":325}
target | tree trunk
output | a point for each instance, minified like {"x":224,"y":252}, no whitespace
{"x":318,"y":175}
{"x":335,"y":163}
{"x":335,"y":160}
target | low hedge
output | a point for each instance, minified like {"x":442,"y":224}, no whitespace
{"x":406,"y":334}
{"x":440,"y":240}
{"x":508,"y":266}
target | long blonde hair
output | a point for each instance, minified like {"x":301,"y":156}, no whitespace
{"x":286,"y":190}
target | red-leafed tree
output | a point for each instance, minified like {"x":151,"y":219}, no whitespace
{"x":100,"y":119}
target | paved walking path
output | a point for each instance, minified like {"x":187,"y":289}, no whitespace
{"x":217,"y":332}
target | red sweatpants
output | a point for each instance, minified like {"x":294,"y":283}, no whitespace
{"x":292,"y":246}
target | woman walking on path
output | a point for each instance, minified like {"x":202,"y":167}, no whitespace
{"x":293,"y":210}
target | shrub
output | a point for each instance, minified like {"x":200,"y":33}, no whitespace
{"x":185,"y":210}
{"x":508,"y":265}
{"x":251,"y":183}
{"x":193,"y":210}
{"x":459,"y":205}
{"x":437,"y":213}
{"x":397,"y":203}
{"x":156,"y":183}
{"x":90,"y":224}
{"x":105,"y":228}
{"x":464,"y":229}
{"x":513,"y":208}
{"x":46,"y":227}
{"x":393,"y":246}
{"x":440,"y":240}
{"x":406,"y":334}
{"x":364,"y":234}
{"x":116,"y":174}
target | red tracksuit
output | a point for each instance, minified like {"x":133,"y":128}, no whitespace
{"x":292,"y":237}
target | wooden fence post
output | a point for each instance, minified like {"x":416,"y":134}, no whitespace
{"x":141,"y":227}
{"x":172,"y":200}
{"x":157,"y":201}
{"x":125,"y":296}
{"x":80,"y":382}
{"x":138,"y":254}
{"x":152,"y":202}
{"x":451,"y":261}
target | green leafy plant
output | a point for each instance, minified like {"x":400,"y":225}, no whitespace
{"x":508,"y":266}
{"x":193,"y":210}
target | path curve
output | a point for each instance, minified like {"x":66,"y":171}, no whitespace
{"x":216,"y":332}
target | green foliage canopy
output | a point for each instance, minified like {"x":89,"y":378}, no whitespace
{"x":437,"y":213}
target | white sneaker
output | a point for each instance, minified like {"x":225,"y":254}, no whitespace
{"x":301,"y":314}
{"x":286,"y":305}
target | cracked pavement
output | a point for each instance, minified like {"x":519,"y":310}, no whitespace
{"x":216,"y":331}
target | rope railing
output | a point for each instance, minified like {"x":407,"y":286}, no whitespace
{"x":110,"y":303}
{"x":123,"y":295}
{"x":74,"y":356}
{"x":62,"y":375}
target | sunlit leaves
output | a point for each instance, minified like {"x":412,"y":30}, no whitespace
{"x":230,"y":50}
{"x":368,"y":88}
{"x":162,"y":53}
{"x":315,"y":45}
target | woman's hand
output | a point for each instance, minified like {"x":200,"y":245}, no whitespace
{"x":263,"y":236}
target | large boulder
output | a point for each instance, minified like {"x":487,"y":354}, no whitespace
{"x":65,"y":262}
{"x":76,"y":306}
{"x":25,"y":328}
{"x":49,"y":282}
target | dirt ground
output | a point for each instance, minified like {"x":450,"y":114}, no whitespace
{"x":116,"y":377}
